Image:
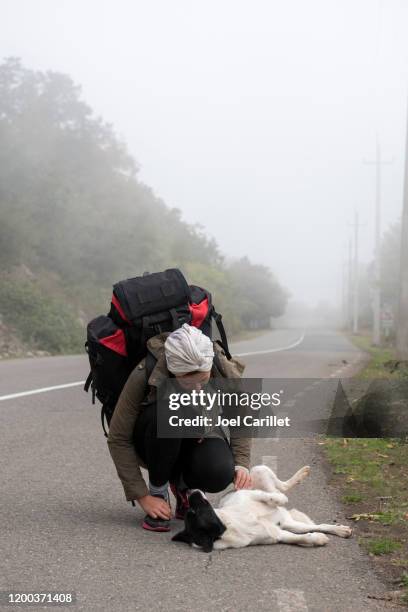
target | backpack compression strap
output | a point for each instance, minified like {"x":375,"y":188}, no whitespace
{"x":218,"y":319}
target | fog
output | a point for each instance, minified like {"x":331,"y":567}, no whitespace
{"x":253,"y":118}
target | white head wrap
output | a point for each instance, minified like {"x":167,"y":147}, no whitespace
{"x":187,"y":349}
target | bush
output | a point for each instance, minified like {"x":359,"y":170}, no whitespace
{"x":39,"y":321}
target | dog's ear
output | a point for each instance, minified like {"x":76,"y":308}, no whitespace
{"x":182,"y":536}
{"x":221,"y":528}
{"x":207,"y":544}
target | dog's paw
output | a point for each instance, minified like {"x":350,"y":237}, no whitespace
{"x":303,"y":473}
{"x":284,"y":500}
{"x":318,"y":539}
{"x":277,"y":499}
{"x":344,"y":531}
{"x":219,"y":545}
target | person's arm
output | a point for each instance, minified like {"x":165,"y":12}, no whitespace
{"x":120,"y":438}
{"x":121,"y":445}
{"x":241,"y":447}
{"x":241,"y":450}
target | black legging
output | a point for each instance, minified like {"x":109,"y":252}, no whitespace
{"x":207,"y":465}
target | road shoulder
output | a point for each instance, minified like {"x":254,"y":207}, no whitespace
{"x":369,"y":477}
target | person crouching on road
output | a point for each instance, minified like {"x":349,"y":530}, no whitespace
{"x":210,"y":463}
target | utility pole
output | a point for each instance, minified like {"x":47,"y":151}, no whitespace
{"x":356,"y":287}
{"x":355,"y":305}
{"x":402,"y":319}
{"x":377,"y":248}
{"x":376,"y":338}
{"x":344,"y":295}
{"x":350,"y":285}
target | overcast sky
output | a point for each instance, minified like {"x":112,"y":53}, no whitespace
{"x":253,"y":117}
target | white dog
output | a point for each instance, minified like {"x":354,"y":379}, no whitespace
{"x":254,"y":516}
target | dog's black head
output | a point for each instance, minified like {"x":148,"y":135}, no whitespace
{"x":201,"y":525}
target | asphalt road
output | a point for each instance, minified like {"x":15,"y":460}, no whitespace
{"x":66,"y":526}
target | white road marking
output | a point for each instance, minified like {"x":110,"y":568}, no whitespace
{"x":290,"y":601}
{"x":82,"y":382}
{"x":42,"y":390}
{"x":271,"y":461}
{"x":274,"y":350}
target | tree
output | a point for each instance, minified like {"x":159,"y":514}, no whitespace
{"x":73,"y":210}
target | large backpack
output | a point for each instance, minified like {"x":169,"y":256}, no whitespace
{"x":141,"y":308}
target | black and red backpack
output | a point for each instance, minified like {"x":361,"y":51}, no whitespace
{"x":141,"y":308}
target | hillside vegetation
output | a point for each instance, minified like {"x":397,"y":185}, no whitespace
{"x":75,"y":218}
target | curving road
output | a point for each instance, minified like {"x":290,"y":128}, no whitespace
{"x":67,"y":527}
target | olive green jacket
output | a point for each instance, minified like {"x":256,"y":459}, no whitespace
{"x":122,"y":425}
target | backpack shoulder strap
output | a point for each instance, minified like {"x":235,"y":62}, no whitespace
{"x":228,"y":367}
{"x":150,"y":362}
{"x":224,"y":340}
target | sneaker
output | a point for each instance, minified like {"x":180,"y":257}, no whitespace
{"x":182,"y":504}
{"x":156,"y":524}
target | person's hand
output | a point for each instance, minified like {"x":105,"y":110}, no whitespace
{"x":242,"y":479}
{"x":156,"y":507}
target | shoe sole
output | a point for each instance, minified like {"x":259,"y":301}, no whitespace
{"x":148,"y":528}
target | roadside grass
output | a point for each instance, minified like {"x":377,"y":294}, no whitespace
{"x":352,"y":498}
{"x":382,"y":546}
{"x":371,"y":476}
{"x":381,"y":358}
